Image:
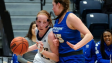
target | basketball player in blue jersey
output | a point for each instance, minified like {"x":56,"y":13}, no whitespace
{"x":47,"y":52}
{"x":89,"y":51}
{"x":14,"y":59}
{"x":67,"y":30}
{"x":104,"y":48}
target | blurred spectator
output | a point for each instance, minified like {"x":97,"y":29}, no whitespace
{"x":104,"y":47}
{"x":31,"y":38}
{"x":89,"y":51}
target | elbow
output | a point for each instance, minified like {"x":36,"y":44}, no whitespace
{"x":92,"y":36}
{"x":57,"y":60}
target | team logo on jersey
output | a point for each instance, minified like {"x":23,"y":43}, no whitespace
{"x":87,"y":46}
{"x":97,"y":52}
{"x":57,"y":29}
{"x":59,"y":38}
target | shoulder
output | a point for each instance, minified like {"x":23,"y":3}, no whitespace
{"x":29,"y":40}
{"x":49,"y":31}
{"x":71,"y":16}
{"x":51,"y":35}
{"x":50,"y":38}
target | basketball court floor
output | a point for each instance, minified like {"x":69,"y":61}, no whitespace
{"x":5,"y":59}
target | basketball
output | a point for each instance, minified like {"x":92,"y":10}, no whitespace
{"x":19,"y":45}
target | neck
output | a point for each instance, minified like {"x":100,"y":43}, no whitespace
{"x":41,"y":34}
{"x":61,"y":18}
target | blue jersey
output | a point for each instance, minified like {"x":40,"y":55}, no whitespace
{"x":89,"y":52}
{"x":108,"y":53}
{"x":64,"y":34}
{"x":14,"y":59}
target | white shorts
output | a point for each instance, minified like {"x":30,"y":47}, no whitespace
{"x":37,"y":59}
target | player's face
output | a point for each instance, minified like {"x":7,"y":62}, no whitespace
{"x":42,"y":22}
{"x":107,"y":38}
{"x":33,"y":29}
{"x":55,"y":8}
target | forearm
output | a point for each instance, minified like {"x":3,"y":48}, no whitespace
{"x":33,"y":47}
{"x":87,"y":38}
{"x":50,"y":55}
{"x":21,"y":59}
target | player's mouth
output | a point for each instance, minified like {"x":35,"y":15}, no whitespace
{"x":107,"y":41}
{"x":41,"y":29}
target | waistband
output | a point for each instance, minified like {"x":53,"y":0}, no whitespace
{"x":71,"y":53}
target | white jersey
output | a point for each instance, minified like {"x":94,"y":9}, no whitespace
{"x":39,"y":58}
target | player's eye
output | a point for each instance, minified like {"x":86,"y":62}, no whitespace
{"x":44,"y":22}
{"x":39,"y":21}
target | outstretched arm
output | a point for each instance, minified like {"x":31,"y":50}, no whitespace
{"x":33,"y":47}
{"x":54,"y":54}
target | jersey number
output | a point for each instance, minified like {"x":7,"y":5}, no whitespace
{"x":59,"y":37}
{"x":46,"y":49}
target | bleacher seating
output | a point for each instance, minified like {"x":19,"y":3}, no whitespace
{"x":110,"y":21}
{"x":87,"y":7}
{"x":87,"y":0}
{"x":97,"y":23}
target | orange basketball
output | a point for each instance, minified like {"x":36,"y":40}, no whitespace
{"x":19,"y":45}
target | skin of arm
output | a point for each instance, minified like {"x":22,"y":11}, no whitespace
{"x":73,"y":22}
{"x":21,"y":59}
{"x":54,"y":55}
{"x":33,"y":47}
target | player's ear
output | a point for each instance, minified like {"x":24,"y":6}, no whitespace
{"x":58,"y":4}
{"x":36,"y":18}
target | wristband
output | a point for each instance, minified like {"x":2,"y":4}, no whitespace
{"x":42,"y":51}
{"x":38,"y":46}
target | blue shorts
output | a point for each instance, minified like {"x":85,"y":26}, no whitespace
{"x":72,"y":59}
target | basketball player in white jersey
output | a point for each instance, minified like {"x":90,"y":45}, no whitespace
{"x":47,"y":52}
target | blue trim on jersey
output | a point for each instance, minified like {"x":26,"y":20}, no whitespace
{"x":14,"y":58}
{"x":89,"y":52}
{"x":64,"y":34}
{"x":40,"y":38}
{"x":108,"y":51}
